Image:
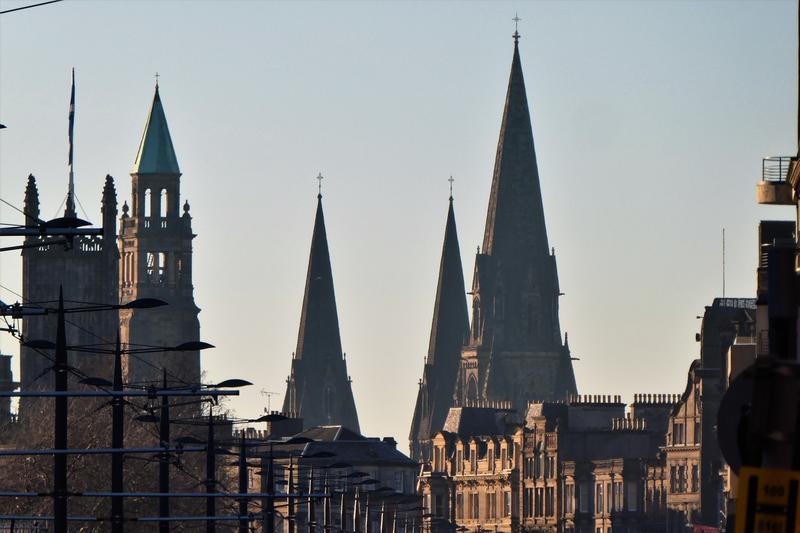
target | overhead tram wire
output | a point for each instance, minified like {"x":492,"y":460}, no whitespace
{"x":105,"y":341}
{"x":29,"y":6}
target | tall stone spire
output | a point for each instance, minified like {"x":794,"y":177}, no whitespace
{"x":318,"y":389}
{"x":449,"y":330}
{"x":156,"y":154}
{"x":515,"y":351}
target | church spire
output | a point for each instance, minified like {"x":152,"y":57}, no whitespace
{"x":318,"y":389}
{"x":319,"y":322}
{"x":516,"y":215}
{"x":449,"y":329}
{"x":156,"y":154}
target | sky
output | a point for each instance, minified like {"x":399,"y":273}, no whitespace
{"x":650,"y":121}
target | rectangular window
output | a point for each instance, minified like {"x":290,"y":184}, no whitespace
{"x":460,"y":506}
{"x":618,"y":496}
{"x":609,"y":500}
{"x":598,"y":505}
{"x":492,"y":505}
{"x":633,"y":495}
{"x":697,"y":432}
{"x":506,"y":504}
{"x":551,"y":467}
{"x":398,"y":482}
{"x":569,"y":498}
{"x":503,"y":456}
{"x":540,"y":502}
{"x":673,"y":479}
{"x":537,"y":466}
{"x":460,"y":461}
{"x":549,"y":502}
{"x":476,"y":506}
{"x":695,"y":478}
{"x":491,"y":460}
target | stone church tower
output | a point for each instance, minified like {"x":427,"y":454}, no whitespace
{"x":155,"y":244}
{"x":318,"y":388}
{"x":86,"y":269}
{"x":449,"y":331}
{"x":515,"y":352}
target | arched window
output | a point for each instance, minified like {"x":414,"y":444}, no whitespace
{"x":162,"y":212}
{"x":472,"y":389}
{"x":147,"y":203}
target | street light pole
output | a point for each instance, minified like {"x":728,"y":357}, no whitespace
{"x":243,"y":483}
{"x":60,"y":430}
{"x":117,"y":421}
{"x":163,"y":464}
{"x":211,"y":474}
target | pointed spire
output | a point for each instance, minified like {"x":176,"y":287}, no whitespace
{"x":449,"y":329}
{"x":515,"y":219}
{"x":450,"y":320}
{"x":31,"y":206}
{"x":156,"y":154}
{"x":319,"y":322}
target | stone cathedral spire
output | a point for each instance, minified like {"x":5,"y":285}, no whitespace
{"x":515,"y":353}
{"x":449,"y":330}
{"x":318,"y":388}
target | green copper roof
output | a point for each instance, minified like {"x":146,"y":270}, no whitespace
{"x":156,"y":154}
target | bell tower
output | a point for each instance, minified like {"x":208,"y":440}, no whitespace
{"x":155,"y":244}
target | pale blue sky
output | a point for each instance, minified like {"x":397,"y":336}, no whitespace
{"x":650,"y":120}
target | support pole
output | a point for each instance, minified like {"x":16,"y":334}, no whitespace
{"x":243,"y":521}
{"x":211,"y":474}
{"x":290,"y":498}
{"x":60,"y":430}
{"x":163,"y":464}
{"x":269,"y":508}
{"x":117,"y":436}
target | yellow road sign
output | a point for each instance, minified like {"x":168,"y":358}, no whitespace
{"x":768,"y":501}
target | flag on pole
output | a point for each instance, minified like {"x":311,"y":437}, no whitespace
{"x":71,"y":117}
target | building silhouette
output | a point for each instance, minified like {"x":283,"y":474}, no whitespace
{"x":449,"y":331}
{"x":318,"y":387}
{"x":513,"y":351}
{"x":155,"y":244}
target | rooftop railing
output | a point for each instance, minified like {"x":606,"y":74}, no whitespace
{"x":775,"y":168}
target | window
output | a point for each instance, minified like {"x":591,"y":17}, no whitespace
{"x":527,"y":503}
{"x":460,"y":506}
{"x":617,"y":496}
{"x":598,"y":504}
{"x":610,"y":501}
{"x":539,"y":503}
{"x":506,"y":504}
{"x":537,"y":465}
{"x":583,"y":497}
{"x":492,"y":504}
{"x":460,"y":461}
{"x":491,"y":460}
{"x":695,"y":478}
{"x":633,"y":495}
{"x":678,"y":435}
{"x":569,"y":498}
{"x":549,"y":502}
{"x":476,"y":508}
{"x":697,"y":432}
{"x":398,"y":482}
{"x":673,"y":486}
{"x":148,"y":203}
{"x":503,"y":458}
{"x":551,"y":467}
{"x":438,"y":503}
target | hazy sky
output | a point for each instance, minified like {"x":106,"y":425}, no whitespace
{"x":650,"y":121}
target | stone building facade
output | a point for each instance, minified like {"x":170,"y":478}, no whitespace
{"x":578,"y":466}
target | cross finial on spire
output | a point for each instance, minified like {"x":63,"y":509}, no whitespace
{"x":516,"y":20}
{"x":319,"y":178}
{"x":451,"y":180}
{"x":157,"y":76}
